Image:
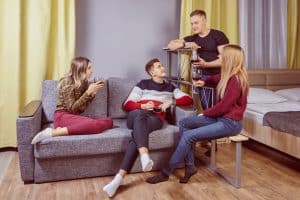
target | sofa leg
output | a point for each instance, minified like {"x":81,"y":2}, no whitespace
{"x":28,"y":182}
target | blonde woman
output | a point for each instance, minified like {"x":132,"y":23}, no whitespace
{"x":222,"y":120}
{"x":74,"y":95}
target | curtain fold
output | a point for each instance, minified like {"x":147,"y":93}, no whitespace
{"x":37,"y":42}
{"x":263,"y":32}
{"x":293,"y":42}
{"x":221,"y":15}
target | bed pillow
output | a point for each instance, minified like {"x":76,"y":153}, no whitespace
{"x":261,"y":95}
{"x":291,"y":94}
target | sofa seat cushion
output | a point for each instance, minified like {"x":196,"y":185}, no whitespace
{"x":111,"y":141}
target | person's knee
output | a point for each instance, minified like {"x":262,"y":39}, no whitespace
{"x":142,"y":115}
{"x":104,"y":124}
{"x":182,"y":123}
{"x":186,"y":139}
{"x":109,"y":122}
{"x":134,"y":113}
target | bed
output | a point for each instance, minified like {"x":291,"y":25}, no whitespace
{"x":279,"y":91}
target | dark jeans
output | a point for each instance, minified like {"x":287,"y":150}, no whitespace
{"x":142,"y":122}
{"x":197,"y":128}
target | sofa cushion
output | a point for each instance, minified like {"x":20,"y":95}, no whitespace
{"x":111,"y":141}
{"x":118,"y":92}
{"x":97,"y":108}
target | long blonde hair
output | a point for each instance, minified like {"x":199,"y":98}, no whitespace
{"x":232,"y":64}
{"x":77,"y":71}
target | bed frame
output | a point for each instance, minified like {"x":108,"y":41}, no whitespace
{"x":274,"y":80}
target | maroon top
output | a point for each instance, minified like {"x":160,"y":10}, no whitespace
{"x":232,"y":105}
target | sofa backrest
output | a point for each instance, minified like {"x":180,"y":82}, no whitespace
{"x":119,"y":89}
{"x":97,"y":108}
{"x":49,"y":95}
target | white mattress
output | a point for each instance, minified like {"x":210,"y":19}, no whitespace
{"x":257,"y":111}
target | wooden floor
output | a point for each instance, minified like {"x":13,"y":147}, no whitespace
{"x":5,"y":158}
{"x":265,"y":176}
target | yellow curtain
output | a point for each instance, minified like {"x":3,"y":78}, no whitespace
{"x":293,"y":35}
{"x":221,"y":15}
{"x":37,"y":42}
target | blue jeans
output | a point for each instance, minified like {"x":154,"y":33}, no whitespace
{"x":198,"y":128}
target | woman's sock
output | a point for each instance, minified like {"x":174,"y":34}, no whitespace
{"x":146,"y":161}
{"x":47,"y":133}
{"x":112,"y":187}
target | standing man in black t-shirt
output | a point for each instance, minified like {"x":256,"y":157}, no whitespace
{"x":209,"y":44}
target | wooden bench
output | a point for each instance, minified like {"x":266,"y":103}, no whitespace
{"x":238,"y":139}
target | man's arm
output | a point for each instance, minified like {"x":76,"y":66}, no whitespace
{"x":176,"y":44}
{"x":181,"y":43}
{"x":181,"y":98}
{"x":214,"y":63}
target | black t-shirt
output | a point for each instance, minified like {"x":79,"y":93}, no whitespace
{"x":209,"y":44}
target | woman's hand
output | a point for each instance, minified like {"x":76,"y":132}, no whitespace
{"x":199,"y":83}
{"x":147,"y":106}
{"x":94,"y":87}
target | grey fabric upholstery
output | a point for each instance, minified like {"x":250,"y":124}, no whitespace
{"x":90,"y":166}
{"x":183,"y":112}
{"x":71,"y":157}
{"x":98,"y":107}
{"x":110,"y":141}
{"x":26,"y":130}
{"x":49,"y":96}
{"x":119,"y":90}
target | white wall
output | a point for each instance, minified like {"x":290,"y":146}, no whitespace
{"x":120,"y":36}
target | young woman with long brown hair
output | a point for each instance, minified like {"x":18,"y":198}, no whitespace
{"x":74,"y":95}
{"x":222,"y":120}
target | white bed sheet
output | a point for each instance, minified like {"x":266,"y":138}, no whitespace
{"x":257,"y":111}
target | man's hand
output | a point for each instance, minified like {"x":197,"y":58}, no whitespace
{"x":164,"y":106}
{"x":147,"y":106}
{"x":176,"y":44}
{"x":192,"y":45}
{"x":199,"y":83}
{"x":200,"y":63}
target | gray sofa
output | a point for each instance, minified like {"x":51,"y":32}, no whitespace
{"x":81,"y":156}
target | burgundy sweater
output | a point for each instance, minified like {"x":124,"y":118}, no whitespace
{"x":232,"y":105}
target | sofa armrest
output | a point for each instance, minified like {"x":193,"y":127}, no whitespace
{"x":30,"y":109}
{"x":28,"y":123}
{"x":183,"y":112}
